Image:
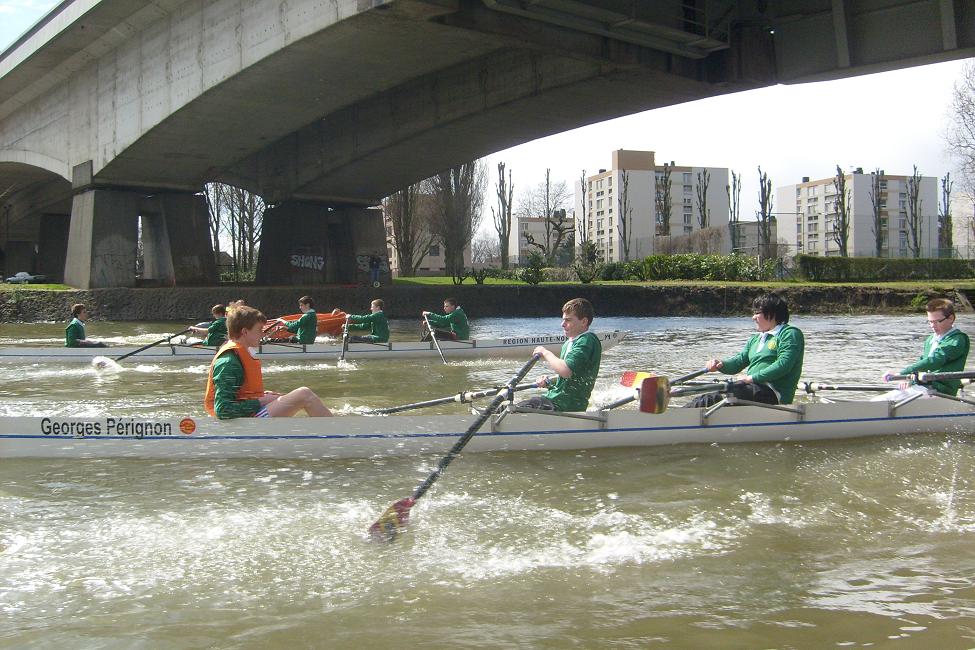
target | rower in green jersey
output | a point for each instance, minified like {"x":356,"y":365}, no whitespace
{"x":307,"y":325}
{"x":74,"y":333}
{"x":771,"y":359}
{"x":945,"y":350}
{"x":576,"y":366}
{"x":452,"y":325}
{"x":375,"y":322}
{"x":216,"y":331}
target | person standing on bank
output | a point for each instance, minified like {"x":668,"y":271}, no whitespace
{"x":235,"y":383}
{"x":375,"y":322}
{"x":452,"y":326}
{"x":945,"y":350}
{"x":771,"y":359}
{"x":74,"y":333}
{"x":307,"y":325}
{"x":576,"y":366}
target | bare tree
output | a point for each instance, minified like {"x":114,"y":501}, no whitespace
{"x":765,"y":216}
{"x":458,"y":194}
{"x":409,"y":212}
{"x":214,"y":195}
{"x":841,"y":213}
{"x":484,"y":249}
{"x":239,"y":215}
{"x":915,"y":220}
{"x":625,"y":215}
{"x":663,"y":200}
{"x":582,"y":221}
{"x":944,"y":217}
{"x":734,"y":209}
{"x":548,"y":201}
{"x":878,"y":225}
{"x":703,"y":212}
{"x":504,"y":191}
{"x":961,"y":134}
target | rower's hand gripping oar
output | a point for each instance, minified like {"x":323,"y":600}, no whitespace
{"x":393,"y":522}
{"x":153,"y":344}
{"x":433,"y":337}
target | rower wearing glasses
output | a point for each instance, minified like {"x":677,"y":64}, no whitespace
{"x":945,"y":350}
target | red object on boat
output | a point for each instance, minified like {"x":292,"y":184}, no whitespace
{"x":328,"y":323}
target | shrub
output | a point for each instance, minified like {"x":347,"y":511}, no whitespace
{"x":533,"y":272}
{"x":872,"y":269}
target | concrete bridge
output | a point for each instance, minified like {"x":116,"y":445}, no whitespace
{"x":116,"y":110}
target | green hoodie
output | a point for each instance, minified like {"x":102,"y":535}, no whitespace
{"x":777,"y":361}
{"x":455,"y":320}
{"x":947,"y":355}
{"x":375,"y":322}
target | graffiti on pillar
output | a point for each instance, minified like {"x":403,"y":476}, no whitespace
{"x":311,"y":257}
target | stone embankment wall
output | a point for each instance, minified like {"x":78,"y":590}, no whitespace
{"x":193,"y":303}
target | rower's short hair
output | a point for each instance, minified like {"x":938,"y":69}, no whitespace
{"x":243,"y":318}
{"x":580,"y":308}
{"x":379,"y":303}
{"x":771,"y":305}
{"x":307,"y":300}
{"x":76,"y":309}
{"x":219,"y":309}
{"x":945,"y":306}
{"x":451,"y":301}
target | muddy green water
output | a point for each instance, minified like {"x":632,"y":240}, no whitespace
{"x":864,"y":543}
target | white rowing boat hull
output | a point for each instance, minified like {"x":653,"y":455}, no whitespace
{"x":516,"y":346}
{"x":361,"y":436}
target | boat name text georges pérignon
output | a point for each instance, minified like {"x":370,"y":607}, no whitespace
{"x":121,"y":427}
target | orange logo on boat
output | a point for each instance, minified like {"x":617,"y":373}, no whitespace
{"x":187,"y":426}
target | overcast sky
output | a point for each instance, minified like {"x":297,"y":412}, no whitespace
{"x":892,"y":120}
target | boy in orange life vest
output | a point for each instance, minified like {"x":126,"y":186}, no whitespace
{"x":235,"y":387}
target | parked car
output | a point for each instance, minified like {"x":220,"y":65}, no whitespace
{"x":23,"y":277}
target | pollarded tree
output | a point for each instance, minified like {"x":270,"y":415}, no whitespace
{"x":878,"y":224}
{"x":841,"y":212}
{"x":582,"y":221}
{"x":944,"y":218}
{"x":915,"y":219}
{"x":625,"y":215}
{"x":703,"y":212}
{"x":734,"y":209}
{"x":663,"y":200}
{"x":548,"y":201}
{"x":765,"y":216}
{"x":504,"y":192}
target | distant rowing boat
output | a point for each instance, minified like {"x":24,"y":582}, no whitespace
{"x":364,"y":436}
{"x":515,"y":346}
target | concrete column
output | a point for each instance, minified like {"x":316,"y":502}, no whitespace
{"x":102,"y":239}
{"x":187,"y":226}
{"x":157,"y":258}
{"x":53,"y":245}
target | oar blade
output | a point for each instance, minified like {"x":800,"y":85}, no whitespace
{"x":634,"y":377}
{"x":392,"y":523}
{"x":654,"y":394}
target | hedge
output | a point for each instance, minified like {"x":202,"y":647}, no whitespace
{"x":873,"y":269}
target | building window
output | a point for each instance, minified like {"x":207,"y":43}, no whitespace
{"x":687,"y":178}
{"x":609,"y":181}
{"x":434,"y":251}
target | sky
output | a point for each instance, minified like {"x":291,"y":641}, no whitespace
{"x":892,"y":120}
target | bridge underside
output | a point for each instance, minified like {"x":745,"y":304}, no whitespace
{"x":391,"y":94}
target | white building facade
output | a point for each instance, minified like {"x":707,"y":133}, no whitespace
{"x":519,"y":249}
{"x":632,"y":180}
{"x":807,"y":213}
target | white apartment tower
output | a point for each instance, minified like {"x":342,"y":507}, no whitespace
{"x":807,"y":212}
{"x":633,"y":179}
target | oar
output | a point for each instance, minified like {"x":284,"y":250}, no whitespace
{"x":928,"y":377}
{"x":153,"y":344}
{"x":345,"y":339}
{"x":633,"y":377}
{"x":460,"y":398}
{"x":393,"y":522}
{"x":815,"y":386}
{"x":433,"y":335}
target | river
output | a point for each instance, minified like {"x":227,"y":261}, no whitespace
{"x":862,"y":543}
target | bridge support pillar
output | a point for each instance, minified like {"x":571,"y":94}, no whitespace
{"x":174,"y":254}
{"x":305,"y":243}
{"x":102,"y":239}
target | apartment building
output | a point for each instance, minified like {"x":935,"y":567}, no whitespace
{"x":633,"y":180}
{"x":806,"y":215}
{"x":963,"y":224}
{"x":519,"y":249}
{"x":749,"y":239}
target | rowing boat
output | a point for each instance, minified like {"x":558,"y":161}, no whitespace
{"x":516,"y":346}
{"x":518,"y":430}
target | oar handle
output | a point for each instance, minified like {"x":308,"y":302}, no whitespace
{"x":815,"y":386}
{"x":689,"y":376}
{"x":461,"y":398}
{"x":716,"y":387}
